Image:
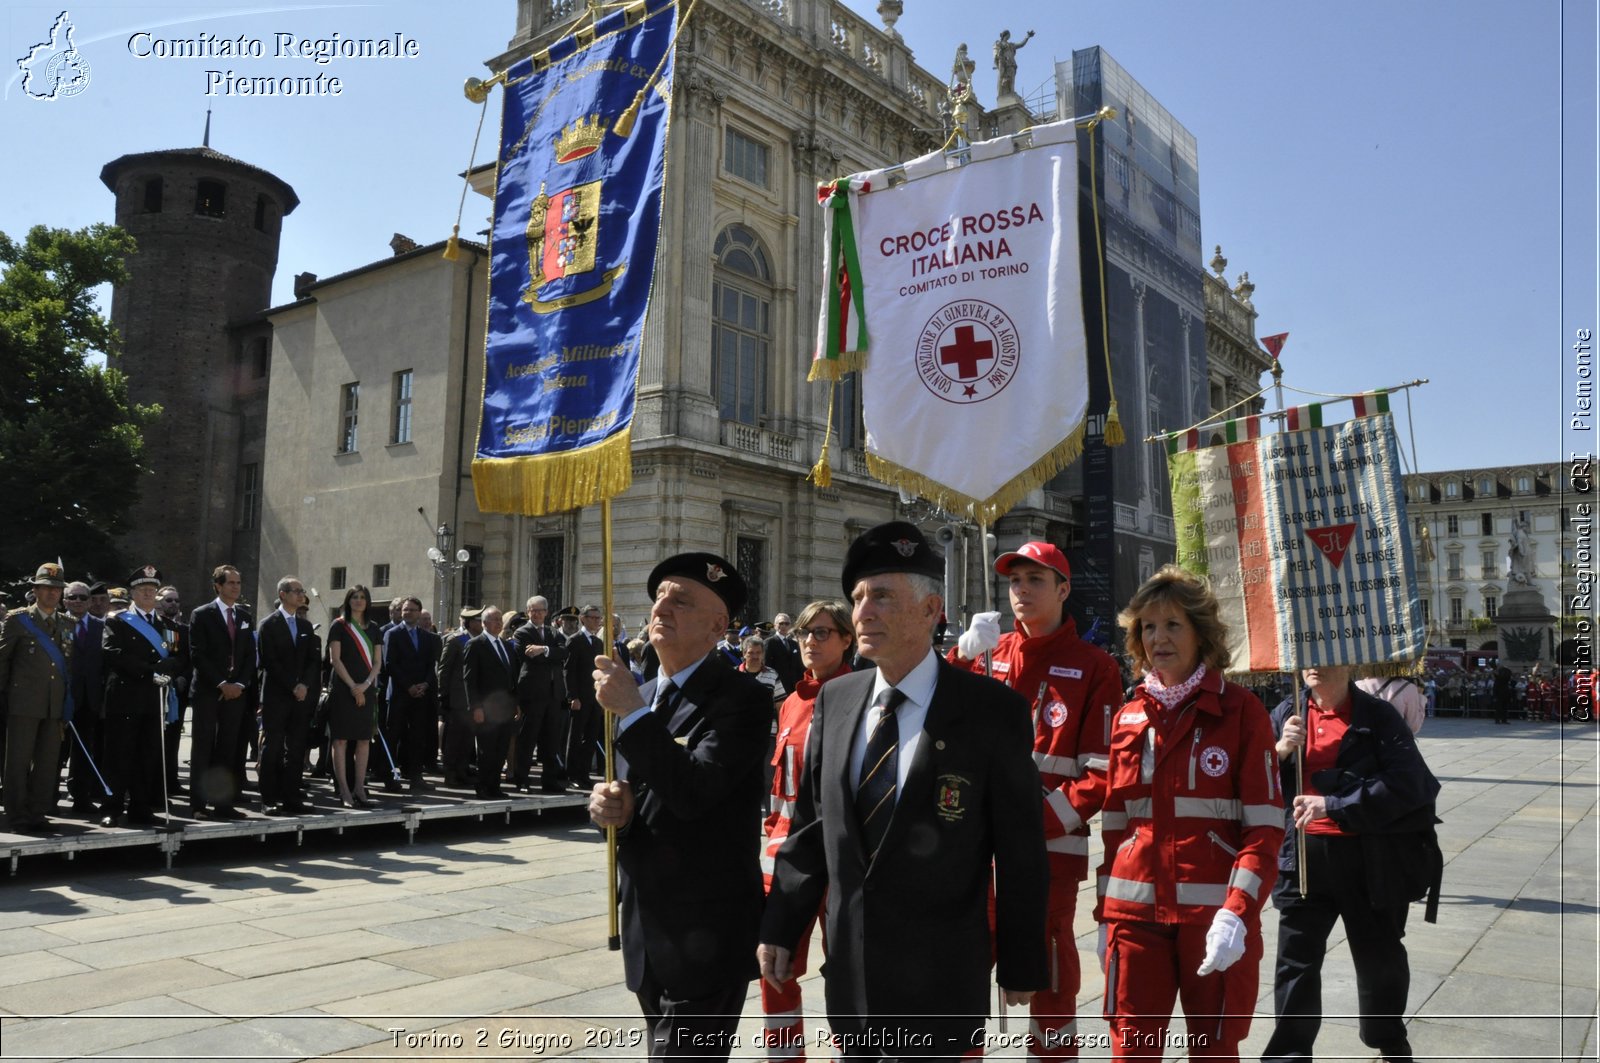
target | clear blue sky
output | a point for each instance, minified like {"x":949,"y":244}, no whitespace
{"x":1389,"y":173}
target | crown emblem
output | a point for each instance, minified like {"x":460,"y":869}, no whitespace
{"x":581,"y":138}
{"x":905,"y":546}
{"x":149,"y":570}
{"x":714,"y":573}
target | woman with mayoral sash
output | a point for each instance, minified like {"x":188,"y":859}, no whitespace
{"x":355,"y":654}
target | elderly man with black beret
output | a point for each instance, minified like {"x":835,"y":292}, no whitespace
{"x":688,"y":812}
{"x":919,"y":778}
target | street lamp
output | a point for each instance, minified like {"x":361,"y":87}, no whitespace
{"x":444,"y":569}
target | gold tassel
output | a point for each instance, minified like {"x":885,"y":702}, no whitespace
{"x":1114,"y":435}
{"x":452,"y":246}
{"x":821,"y":472}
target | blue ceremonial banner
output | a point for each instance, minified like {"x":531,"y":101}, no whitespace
{"x":577,"y":212}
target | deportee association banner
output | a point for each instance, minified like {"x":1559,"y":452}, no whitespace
{"x":965,"y":278}
{"x":577,"y":210}
{"x":1304,"y":537}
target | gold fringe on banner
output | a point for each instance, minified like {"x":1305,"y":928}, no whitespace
{"x":554,"y":483}
{"x":986,"y":510}
{"x":836,"y":368}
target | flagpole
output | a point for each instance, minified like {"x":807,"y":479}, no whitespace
{"x":614,"y":938}
{"x":988,"y":669}
{"x":1300,"y":785}
{"x":1299,"y":710}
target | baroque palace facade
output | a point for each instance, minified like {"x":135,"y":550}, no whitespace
{"x":375,"y":374}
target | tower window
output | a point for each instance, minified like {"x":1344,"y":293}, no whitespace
{"x":209,"y":198}
{"x":152,"y":196}
{"x":261,"y":213}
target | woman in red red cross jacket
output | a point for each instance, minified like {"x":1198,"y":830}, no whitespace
{"x":1192,"y":821}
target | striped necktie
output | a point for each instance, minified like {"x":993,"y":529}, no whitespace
{"x":880,"y":773}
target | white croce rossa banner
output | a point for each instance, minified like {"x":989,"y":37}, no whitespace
{"x":974,"y":386}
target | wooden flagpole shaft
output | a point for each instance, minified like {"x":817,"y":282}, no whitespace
{"x":614,"y":939}
{"x":1299,"y":709}
{"x":1300,"y":784}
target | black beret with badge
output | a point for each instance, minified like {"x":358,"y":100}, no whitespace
{"x":897,"y":546}
{"x":708,"y":570}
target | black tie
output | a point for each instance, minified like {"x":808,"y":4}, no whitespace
{"x":666,"y":702}
{"x":880,"y":772}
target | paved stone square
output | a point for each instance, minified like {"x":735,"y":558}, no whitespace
{"x":488,"y":941}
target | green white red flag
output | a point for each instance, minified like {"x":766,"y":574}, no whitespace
{"x":1304,"y":537}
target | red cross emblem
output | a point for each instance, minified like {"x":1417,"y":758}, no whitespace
{"x":968,"y":351}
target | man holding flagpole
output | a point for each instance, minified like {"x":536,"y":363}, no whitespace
{"x":687,"y":808}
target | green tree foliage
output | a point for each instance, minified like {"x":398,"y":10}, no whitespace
{"x":70,"y":441}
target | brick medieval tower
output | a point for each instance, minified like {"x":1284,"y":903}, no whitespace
{"x":195,"y":340}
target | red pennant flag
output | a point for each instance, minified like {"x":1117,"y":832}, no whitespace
{"x":1333,"y":540}
{"x":1274,"y":344}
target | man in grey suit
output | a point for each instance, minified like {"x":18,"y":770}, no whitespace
{"x":918,"y":778}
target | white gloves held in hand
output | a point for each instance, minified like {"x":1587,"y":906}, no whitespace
{"x":1100,"y":947}
{"x":981,"y":636}
{"x":1224,"y":942}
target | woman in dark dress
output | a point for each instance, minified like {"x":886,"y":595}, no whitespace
{"x":355,"y":653}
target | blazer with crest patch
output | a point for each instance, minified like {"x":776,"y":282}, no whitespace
{"x":908,"y":934}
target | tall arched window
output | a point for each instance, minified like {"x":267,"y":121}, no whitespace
{"x":741,"y":326}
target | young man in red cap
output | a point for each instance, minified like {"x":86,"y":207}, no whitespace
{"x":1073,"y":688}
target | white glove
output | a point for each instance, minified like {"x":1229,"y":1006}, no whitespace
{"x":1224,"y":942}
{"x":1100,"y":947}
{"x":982,"y":635}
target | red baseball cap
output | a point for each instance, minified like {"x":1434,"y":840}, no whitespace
{"x":1040,"y":554}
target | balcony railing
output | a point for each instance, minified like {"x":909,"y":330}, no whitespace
{"x":755,"y":440}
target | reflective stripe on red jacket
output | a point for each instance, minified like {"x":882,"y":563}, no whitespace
{"x":1074,"y":689}
{"x":788,"y":761}
{"x":1193,"y":812}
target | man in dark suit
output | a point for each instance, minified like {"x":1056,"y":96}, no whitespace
{"x":688,"y":814}
{"x":290,"y":672}
{"x":223,"y":649}
{"x":582,"y":649}
{"x":457,"y":743}
{"x":783,"y":652}
{"x":141,"y":655}
{"x":542,"y":697}
{"x":921,"y":775}
{"x":490,"y":675}
{"x":411,"y":660}
{"x":82,"y":742}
